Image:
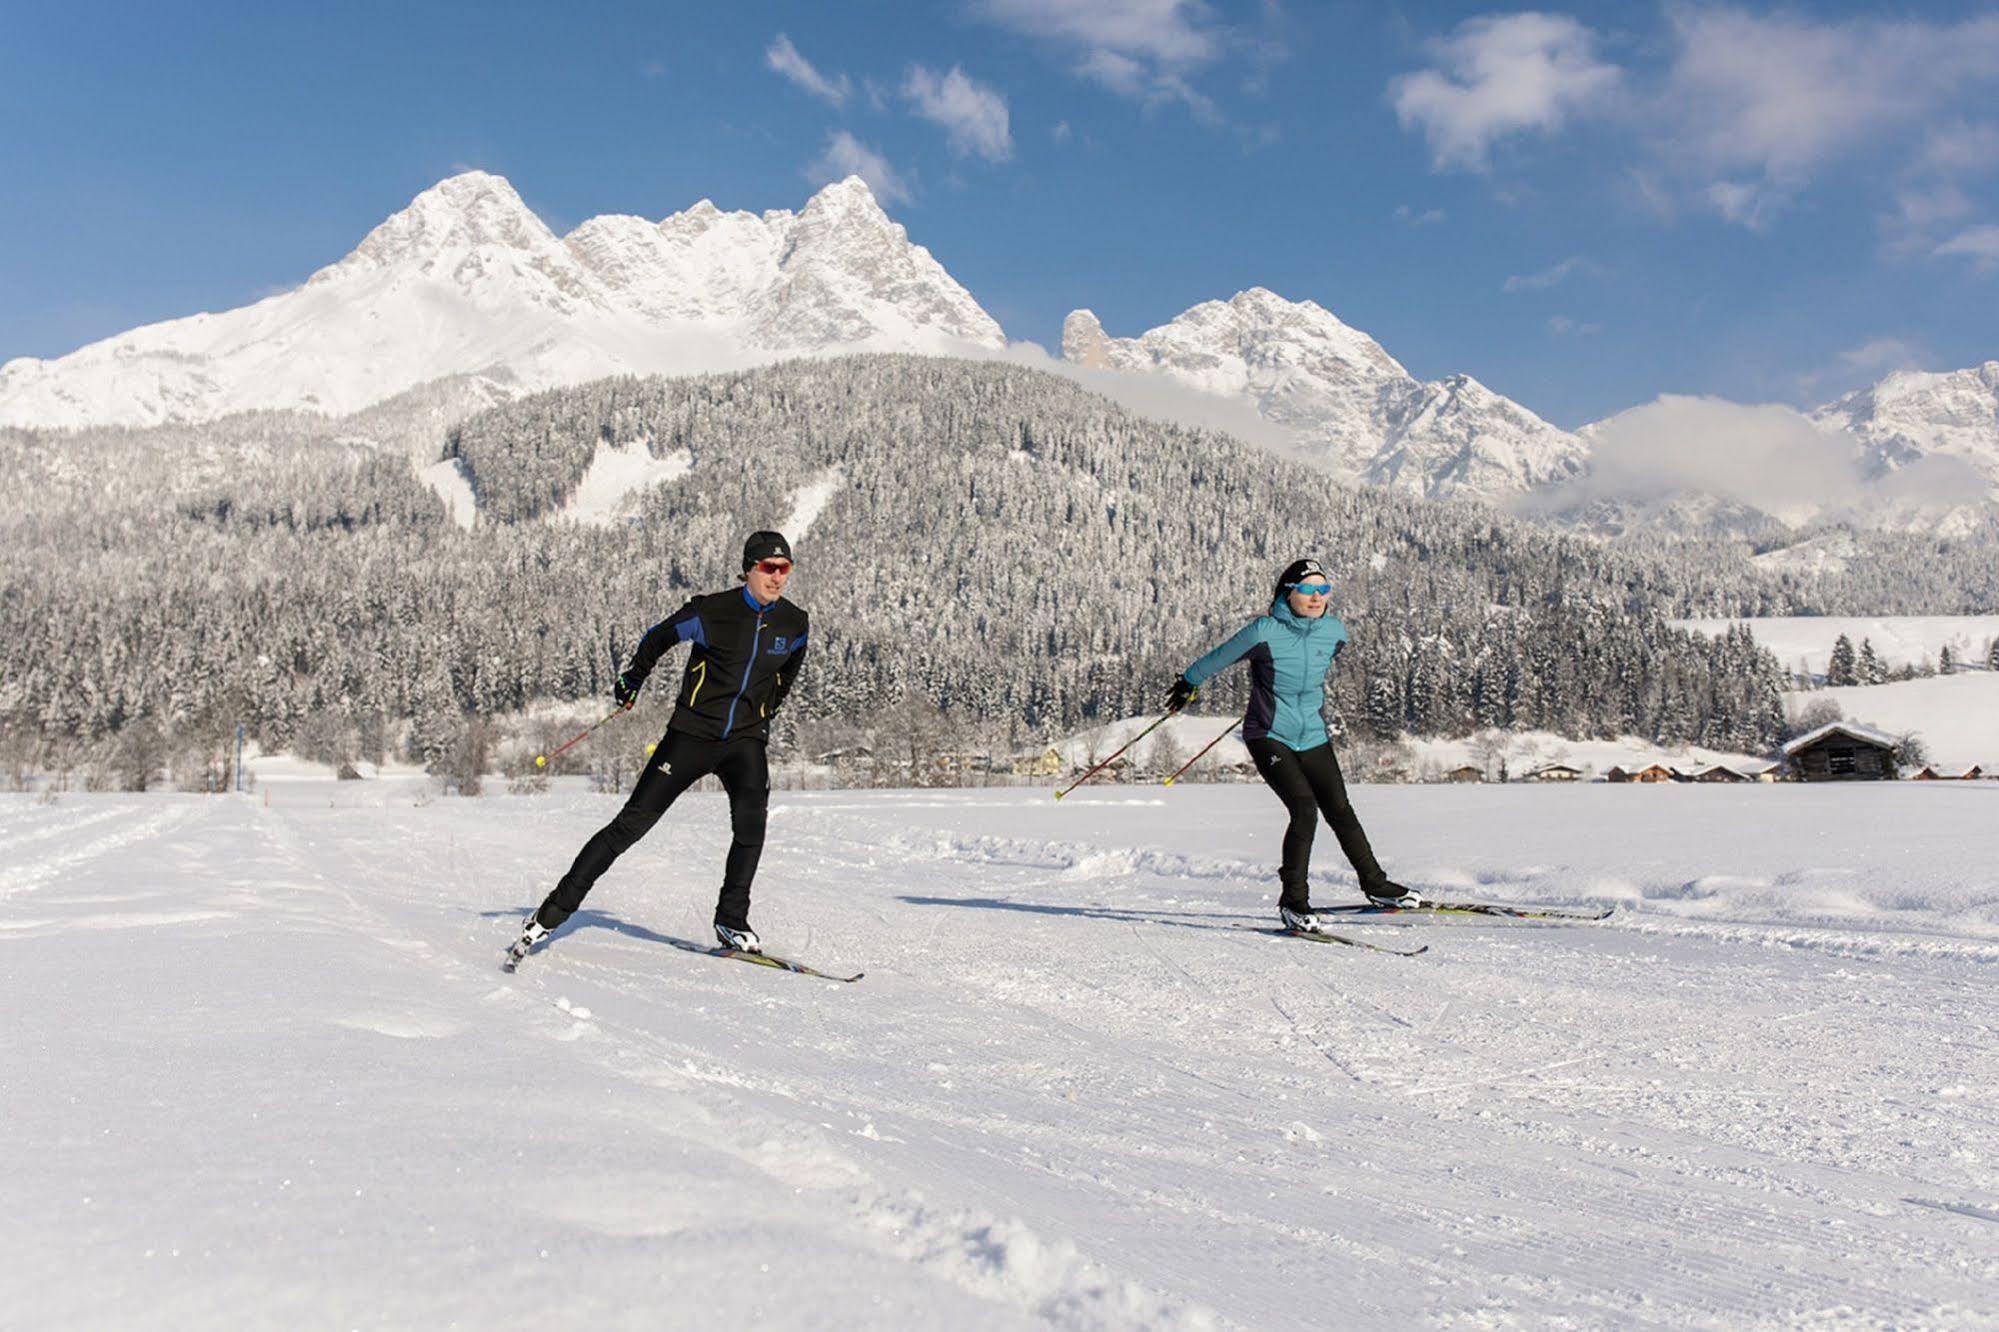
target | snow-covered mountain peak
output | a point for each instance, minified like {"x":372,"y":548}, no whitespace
{"x":1084,"y":342}
{"x":475,"y":208}
{"x":466,"y":281}
{"x":1912,"y":416}
{"x":1303,"y":367}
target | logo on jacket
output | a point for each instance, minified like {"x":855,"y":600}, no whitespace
{"x":777,"y":644}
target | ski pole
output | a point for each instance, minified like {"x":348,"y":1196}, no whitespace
{"x":541,"y":760}
{"x":1113,"y":758}
{"x":1204,"y":749}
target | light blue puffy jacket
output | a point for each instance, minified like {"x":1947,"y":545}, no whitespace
{"x":1288,"y":656}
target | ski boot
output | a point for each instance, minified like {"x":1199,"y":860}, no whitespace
{"x":533,"y":934}
{"x":1393,"y":896}
{"x":1305,"y":919}
{"x":743,"y":941}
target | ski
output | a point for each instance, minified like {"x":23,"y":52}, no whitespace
{"x":1479,"y":909}
{"x":1321,"y":936}
{"x":780,"y":963}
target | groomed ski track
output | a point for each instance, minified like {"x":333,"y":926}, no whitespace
{"x":261,"y":1069}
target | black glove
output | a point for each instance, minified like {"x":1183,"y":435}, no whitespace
{"x":625,"y":690}
{"x":1182,"y":694}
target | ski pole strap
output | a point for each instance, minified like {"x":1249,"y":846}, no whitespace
{"x":1113,"y":758}
{"x":1204,"y":749}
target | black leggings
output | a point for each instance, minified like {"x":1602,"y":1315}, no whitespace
{"x":1309,"y":784}
{"x":678,"y":763}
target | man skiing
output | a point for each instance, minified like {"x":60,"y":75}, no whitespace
{"x":1290,"y":648}
{"x":749,"y":643}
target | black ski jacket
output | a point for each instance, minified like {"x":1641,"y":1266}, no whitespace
{"x":744,"y":661}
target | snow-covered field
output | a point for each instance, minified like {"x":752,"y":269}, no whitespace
{"x":260,"y":1069}
{"x":1899,"y":640}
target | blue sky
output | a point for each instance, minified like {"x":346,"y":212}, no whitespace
{"x":1582,"y":207}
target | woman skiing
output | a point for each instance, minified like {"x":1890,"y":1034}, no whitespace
{"x":1289,"y":650}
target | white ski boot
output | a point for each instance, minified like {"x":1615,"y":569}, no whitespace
{"x":533,"y":934}
{"x":743,"y":941}
{"x":1307,"y":920}
{"x":1395,"y":897}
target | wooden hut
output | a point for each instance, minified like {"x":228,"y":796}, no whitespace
{"x":1651,"y":772}
{"x":1715,"y":772}
{"x":1842,"y":752}
{"x":1931,"y":773}
{"x":1470,"y":772}
{"x":1554,"y":772}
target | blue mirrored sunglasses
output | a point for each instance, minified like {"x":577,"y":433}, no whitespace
{"x":1312,"y":589}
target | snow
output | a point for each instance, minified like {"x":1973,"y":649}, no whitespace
{"x":468,"y":281}
{"x":1899,"y":640}
{"x":264,"y":1071}
{"x":449,"y":481}
{"x":1300,"y":367}
{"x":1528,"y":750}
{"x":616,"y":476}
{"x":1525,"y":751}
{"x":1956,"y":716}
{"x":1848,"y":729}
{"x":1189,"y":733}
{"x":810,"y":502}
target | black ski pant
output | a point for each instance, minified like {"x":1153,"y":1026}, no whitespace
{"x":678,"y":763}
{"x":1309,"y":784}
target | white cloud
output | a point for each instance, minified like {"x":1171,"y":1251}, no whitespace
{"x":1759,"y":102}
{"x":1418,"y":218}
{"x":972,"y":115}
{"x":1768,"y":456}
{"x":1141,"y":49}
{"x":1165,"y":32}
{"x":1559,"y":324}
{"x":1150,"y":393}
{"x":784,"y":58}
{"x":1061,"y":133}
{"x":1960,"y":149}
{"x":1745,"y":203}
{"x":1550,"y":277}
{"x":1501,"y":75}
{"x":846,"y":156}
{"x":1877,"y":356}
{"x":1978,"y":244}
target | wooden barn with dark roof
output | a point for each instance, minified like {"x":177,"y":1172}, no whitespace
{"x":1842,"y":752}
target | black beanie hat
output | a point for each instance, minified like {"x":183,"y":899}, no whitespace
{"x":765,"y":546}
{"x":1297,"y":572}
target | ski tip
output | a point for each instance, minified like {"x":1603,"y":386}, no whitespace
{"x":1167,"y":782}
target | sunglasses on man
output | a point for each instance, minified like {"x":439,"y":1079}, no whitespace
{"x":773,"y":567}
{"x":1312,"y":589}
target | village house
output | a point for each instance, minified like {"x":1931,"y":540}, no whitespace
{"x":1842,"y":752}
{"x":1651,"y":772}
{"x":1554,"y":772}
{"x":1931,"y":773}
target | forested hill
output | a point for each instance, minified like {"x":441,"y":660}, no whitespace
{"x":1017,"y":546}
{"x":996,"y":540}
